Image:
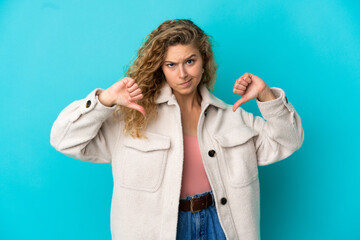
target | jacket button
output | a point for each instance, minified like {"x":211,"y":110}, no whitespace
{"x":211,"y":153}
{"x":205,"y":113}
{"x":223,"y":201}
{"x":88,"y":103}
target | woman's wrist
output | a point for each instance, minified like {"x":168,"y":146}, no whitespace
{"x":266,"y":95}
{"x":105,"y":99}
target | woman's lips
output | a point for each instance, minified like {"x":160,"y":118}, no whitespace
{"x":187,"y":83}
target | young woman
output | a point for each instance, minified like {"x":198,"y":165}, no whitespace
{"x":184,"y":163}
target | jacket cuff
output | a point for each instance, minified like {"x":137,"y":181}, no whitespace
{"x":275,"y":107}
{"x":92,"y":105}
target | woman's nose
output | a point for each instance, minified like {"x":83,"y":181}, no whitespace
{"x":182,"y":72}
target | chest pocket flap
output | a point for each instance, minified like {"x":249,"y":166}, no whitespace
{"x":143,"y":162}
{"x":152,"y":143}
{"x":236,"y":136}
{"x":238,"y":155}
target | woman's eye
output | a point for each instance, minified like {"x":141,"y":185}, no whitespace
{"x":190,"y":61}
{"x":170,"y":65}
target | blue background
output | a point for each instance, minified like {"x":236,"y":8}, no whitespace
{"x":54,"y":52}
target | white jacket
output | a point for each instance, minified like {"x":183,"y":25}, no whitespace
{"x":147,"y":173}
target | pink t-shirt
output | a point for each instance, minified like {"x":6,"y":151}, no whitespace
{"x":194,"y":178}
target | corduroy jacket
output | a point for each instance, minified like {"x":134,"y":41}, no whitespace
{"x":147,"y":172}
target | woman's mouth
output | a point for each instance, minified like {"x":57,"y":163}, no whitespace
{"x":185,"y":84}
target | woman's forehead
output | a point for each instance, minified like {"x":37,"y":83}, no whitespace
{"x":180,"y":52}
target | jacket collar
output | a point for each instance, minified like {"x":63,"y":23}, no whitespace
{"x":166,"y":95}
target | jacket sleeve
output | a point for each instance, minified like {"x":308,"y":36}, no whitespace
{"x":280,"y":130}
{"x":84,"y":130}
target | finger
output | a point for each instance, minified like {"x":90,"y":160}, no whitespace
{"x":123,"y":81}
{"x":136,"y":98}
{"x":251,"y":75}
{"x":247,"y":74}
{"x":239,"y":92}
{"x":135,"y":92}
{"x":244,"y":83}
{"x":137,"y":107}
{"x":242,"y":100}
{"x":132,"y":88}
{"x":239,"y":87}
{"x":247,"y":78}
{"x":130,"y":82}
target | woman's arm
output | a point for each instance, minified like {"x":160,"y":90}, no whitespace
{"x":280,"y":130}
{"x":85,"y":129}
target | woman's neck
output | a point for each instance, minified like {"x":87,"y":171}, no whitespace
{"x":189,"y":102}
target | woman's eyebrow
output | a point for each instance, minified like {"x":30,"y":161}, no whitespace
{"x":193,"y":55}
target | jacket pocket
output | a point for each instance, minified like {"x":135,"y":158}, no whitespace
{"x":143,"y":162}
{"x":238,"y":155}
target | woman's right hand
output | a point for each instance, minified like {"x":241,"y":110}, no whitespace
{"x":124,"y":92}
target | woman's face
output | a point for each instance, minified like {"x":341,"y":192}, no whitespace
{"x":183,"y":68}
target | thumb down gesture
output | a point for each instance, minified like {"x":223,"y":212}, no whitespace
{"x":124,"y":93}
{"x":249,"y":86}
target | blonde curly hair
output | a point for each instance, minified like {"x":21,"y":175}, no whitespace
{"x":147,"y":72}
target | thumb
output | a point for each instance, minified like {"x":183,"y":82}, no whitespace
{"x":137,"y":107}
{"x":242,"y":100}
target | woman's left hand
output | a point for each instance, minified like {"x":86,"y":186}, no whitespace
{"x":249,"y":86}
